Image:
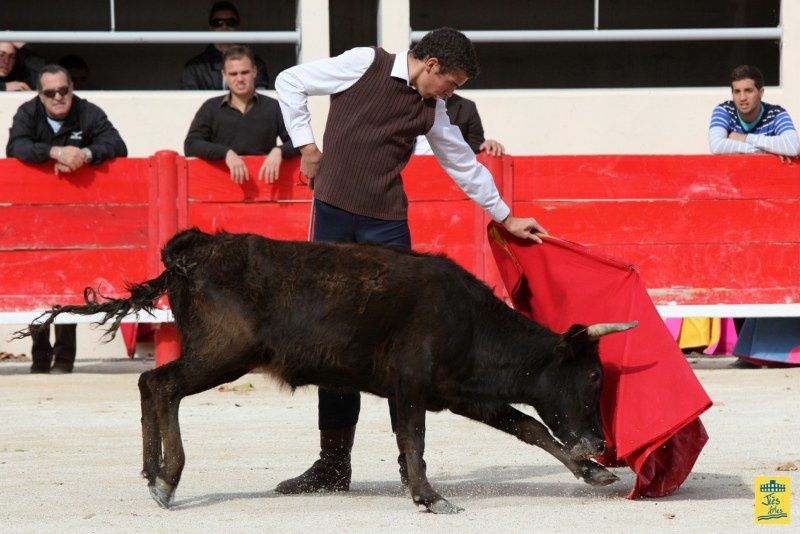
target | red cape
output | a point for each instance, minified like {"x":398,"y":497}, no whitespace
{"x":651,"y":399}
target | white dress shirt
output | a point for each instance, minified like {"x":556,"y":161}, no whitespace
{"x":334,"y":75}
{"x":422,"y":147}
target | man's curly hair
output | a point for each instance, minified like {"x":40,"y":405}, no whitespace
{"x":452,"y":48}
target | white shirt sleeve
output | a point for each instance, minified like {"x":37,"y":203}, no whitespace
{"x":785,"y":144}
{"x":718,"y":143}
{"x":459,"y":161}
{"x":321,"y":77}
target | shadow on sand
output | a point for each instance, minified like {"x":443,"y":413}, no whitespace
{"x":85,"y":366}
{"x":509,"y":481}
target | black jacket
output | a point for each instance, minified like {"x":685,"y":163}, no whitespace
{"x":464,"y":114}
{"x":86,"y":126}
{"x":205,"y":71}
{"x":26,"y":70}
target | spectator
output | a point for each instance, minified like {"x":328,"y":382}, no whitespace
{"x":60,"y":126}
{"x":18,"y":67}
{"x":746,"y":125}
{"x":204,"y":71}
{"x":78,"y":70}
{"x":240,"y":123}
{"x":464,"y":114}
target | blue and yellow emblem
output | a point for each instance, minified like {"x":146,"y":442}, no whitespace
{"x":772,"y":500}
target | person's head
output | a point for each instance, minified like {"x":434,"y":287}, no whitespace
{"x":54,"y":85}
{"x":78,"y":71}
{"x":239,"y":70}
{"x":223,"y":17}
{"x":449,"y":60}
{"x":8,"y":56}
{"x":747,"y":88}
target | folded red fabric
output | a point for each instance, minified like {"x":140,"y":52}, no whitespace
{"x":651,"y":398}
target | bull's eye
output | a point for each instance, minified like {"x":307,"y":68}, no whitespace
{"x":594,"y":376}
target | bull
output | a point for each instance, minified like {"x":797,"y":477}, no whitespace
{"x":412,"y":327}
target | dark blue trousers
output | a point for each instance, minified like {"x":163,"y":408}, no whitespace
{"x":334,"y":225}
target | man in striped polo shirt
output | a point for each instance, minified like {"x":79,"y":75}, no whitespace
{"x":380,"y":103}
{"x":746,"y":125}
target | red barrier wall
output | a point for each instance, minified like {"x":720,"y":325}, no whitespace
{"x":441,"y":217}
{"x":60,"y":234}
{"x":701,"y":229}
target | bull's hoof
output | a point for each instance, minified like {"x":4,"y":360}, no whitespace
{"x":596,"y":475}
{"x":162,"y":493}
{"x":443,"y":506}
{"x":148,"y":476}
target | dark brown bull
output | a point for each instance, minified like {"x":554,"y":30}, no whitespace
{"x":414,"y":327}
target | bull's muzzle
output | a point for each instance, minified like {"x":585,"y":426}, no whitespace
{"x":586,"y":448}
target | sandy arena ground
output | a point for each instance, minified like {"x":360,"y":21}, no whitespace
{"x":70,"y":456}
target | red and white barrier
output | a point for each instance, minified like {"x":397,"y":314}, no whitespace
{"x":711,"y":235}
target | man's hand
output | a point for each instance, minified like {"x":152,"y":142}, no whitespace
{"x":310,"y":158}
{"x":524,"y":228}
{"x":62,"y":169}
{"x":68,"y":158}
{"x":787,"y":159}
{"x":17,"y":86}
{"x":493,"y":148}
{"x":737,"y":136}
{"x":271,"y":166}
{"x":239,"y":172}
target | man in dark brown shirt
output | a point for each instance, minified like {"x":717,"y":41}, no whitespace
{"x":464,"y":114}
{"x":241,"y":123}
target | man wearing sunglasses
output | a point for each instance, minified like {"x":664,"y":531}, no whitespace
{"x":57,"y":125}
{"x":204,"y":71}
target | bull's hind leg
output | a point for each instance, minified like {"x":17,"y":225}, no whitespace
{"x":151,"y":437}
{"x":168,"y":385}
{"x":532,"y":432}
{"x":411,"y":441}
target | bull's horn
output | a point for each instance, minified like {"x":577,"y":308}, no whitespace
{"x":596,"y":331}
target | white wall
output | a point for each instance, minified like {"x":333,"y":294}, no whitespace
{"x":618,"y":121}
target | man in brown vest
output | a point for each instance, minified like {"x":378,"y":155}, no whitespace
{"x":380,"y":103}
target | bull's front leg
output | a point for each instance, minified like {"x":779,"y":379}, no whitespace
{"x":532,"y":432}
{"x":411,"y":441}
{"x":168,"y":385}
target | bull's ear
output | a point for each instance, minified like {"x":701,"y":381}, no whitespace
{"x":574,"y":341}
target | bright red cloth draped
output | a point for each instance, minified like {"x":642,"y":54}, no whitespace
{"x":651,"y":398}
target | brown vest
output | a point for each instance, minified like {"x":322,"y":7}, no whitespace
{"x":368,"y":140}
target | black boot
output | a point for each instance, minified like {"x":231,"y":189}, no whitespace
{"x":332,"y":471}
{"x":64,"y":349}
{"x":41,"y":351}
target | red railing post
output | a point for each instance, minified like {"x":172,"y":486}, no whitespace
{"x":165,"y":164}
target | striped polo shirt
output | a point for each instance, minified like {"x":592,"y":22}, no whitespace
{"x":774,"y":120}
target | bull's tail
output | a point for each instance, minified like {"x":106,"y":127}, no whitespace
{"x":143,"y":297}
